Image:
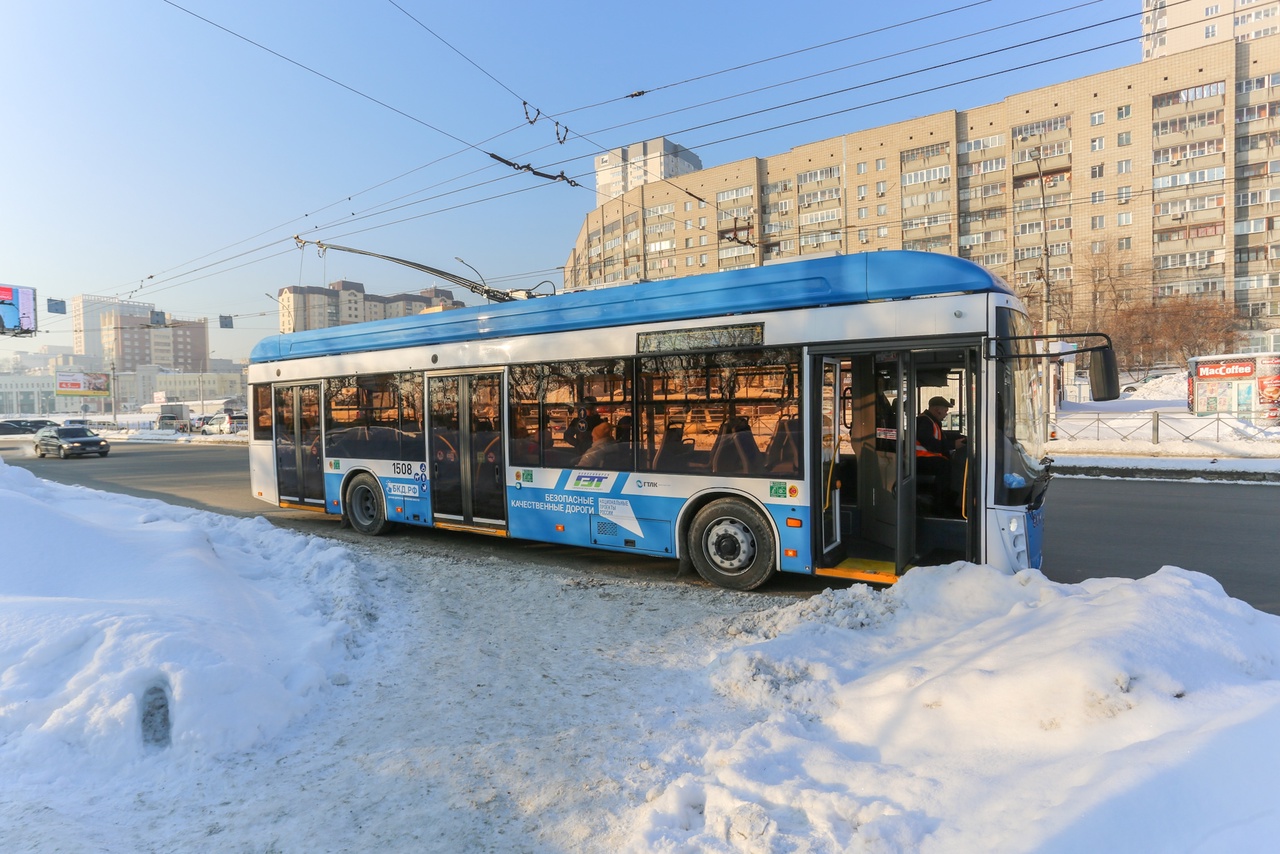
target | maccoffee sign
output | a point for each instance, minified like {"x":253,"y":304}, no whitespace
{"x":1224,"y":370}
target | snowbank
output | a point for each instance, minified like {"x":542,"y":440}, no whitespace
{"x":318,"y":697}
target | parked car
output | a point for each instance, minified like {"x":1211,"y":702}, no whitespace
{"x":36,"y":423}
{"x":25,"y":425}
{"x":223,"y":423}
{"x":70,"y":442}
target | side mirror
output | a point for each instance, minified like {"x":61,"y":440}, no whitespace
{"x":1104,"y":374}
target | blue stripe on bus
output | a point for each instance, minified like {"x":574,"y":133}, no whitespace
{"x":841,"y":279}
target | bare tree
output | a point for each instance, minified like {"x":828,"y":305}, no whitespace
{"x":1172,"y":329}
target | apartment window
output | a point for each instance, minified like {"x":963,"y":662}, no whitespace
{"x":688,"y":206}
{"x":862,"y":191}
{"x":702,"y":222}
{"x":1124,"y":193}
{"x":688,"y":225}
{"x":862,"y":168}
{"x":862,"y":213}
{"x":1097,"y":143}
{"x":1123,"y":139}
{"x":1211,"y":31}
{"x":1211,"y":10}
{"x":702,"y":241}
{"x":1124,"y":243}
{"x":1097,"y":197}
{"x":882,"y":187}
{"x":1124,"y":167}
{"x":1097,"y":118}
{"x":1096,"y":247}
{"x":1095,"y":171}
{"x":1124,"y":112}
{"x":1097,"y":222}
{"x":881,"y":210}
{"x":863,"y":235}
{"x":1125,"y":218}
{"x":882,"y":231}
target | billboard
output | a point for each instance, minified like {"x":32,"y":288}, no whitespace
{"x":78,"y":384}
{"x":17,"y":310}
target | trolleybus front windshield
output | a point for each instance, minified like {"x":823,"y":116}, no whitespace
{"x":1021,"y":467}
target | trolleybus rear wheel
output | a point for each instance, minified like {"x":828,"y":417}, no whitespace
{"x":366,"y":509}
{"x":732,"y":545}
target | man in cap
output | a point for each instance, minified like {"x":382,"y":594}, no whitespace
{"x":935,"y":450}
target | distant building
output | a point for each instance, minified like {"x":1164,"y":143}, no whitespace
{"x":632,"y":166}
{"x":1158,"y":179}
{"x":1173,"y":27}
{"x":343,"y":302}
{"x":109,"y":333}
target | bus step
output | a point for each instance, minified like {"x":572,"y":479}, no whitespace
{"x":861,"y":569}
{"x":473,"y":529}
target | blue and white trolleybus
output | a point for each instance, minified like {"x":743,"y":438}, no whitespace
{"x":745,"y":423}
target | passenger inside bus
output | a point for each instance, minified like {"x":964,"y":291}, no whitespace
{"x":601,"y":445}
{"x":939,"y":455}
{"x":579,"y":431}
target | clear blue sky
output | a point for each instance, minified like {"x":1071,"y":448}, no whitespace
{"x":148,"y":154}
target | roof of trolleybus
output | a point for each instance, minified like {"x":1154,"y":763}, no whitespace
{"x":836,"y":280}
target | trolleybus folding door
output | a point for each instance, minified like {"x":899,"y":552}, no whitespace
{"x":465,"y":450}
{"x":828,"y":480}
{"x":299,"y":461}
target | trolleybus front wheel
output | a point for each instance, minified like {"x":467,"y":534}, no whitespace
{"x":732,"y":545}
{"x":366,"y":509}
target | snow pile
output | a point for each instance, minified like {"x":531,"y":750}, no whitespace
{"x":237,"y":625}
{"x":1171,"y":387}
{"x":964,"y":709}
{"x":172,"y":679}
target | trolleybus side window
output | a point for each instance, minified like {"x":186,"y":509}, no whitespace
{"x":378,"y":416}
{"x":733,"y":413}
{"x":556,"y":406}
{"x":262,"y":413}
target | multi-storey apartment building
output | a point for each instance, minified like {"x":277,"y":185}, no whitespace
{"x":90,"y":315}
{"x":1170,"y":27}
{"x":626,"y":168}
{"x":1157,"y":179}
{"x":343,"y":302}
{"x":121,"y":335}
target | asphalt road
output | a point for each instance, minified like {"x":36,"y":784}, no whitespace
{"x":1131,"y":528}
{"x":1095,"y":528}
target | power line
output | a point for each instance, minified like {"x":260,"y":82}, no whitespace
{"x":490,"y":198}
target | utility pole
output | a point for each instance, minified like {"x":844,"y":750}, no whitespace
{"x":1046,"y":380}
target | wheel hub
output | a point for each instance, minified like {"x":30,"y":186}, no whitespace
{"x":730,"y":545}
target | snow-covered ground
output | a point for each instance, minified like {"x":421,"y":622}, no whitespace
{"x":176,"y":680}
{"x":1119,"y":434}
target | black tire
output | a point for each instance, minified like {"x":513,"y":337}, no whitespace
{"x":732,"y":545}
{"x":365,"y":507}
{"x":62,"y":452}
{"x":39,"y":451}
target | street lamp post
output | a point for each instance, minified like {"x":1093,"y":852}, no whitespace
{"x":1046,"y":383}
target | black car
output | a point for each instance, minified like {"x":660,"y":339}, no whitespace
{"x":70,"y":442}
{"x":13,"y":428}
{"x":25,"y":425}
